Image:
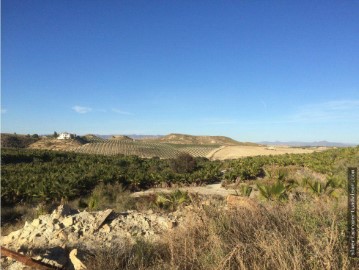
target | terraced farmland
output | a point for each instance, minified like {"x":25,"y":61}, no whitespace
{"x":144,"y":149}
{"x":141,"y":149}
{"x":195,"y":150}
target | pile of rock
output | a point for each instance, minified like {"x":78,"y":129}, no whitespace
{"x":68,"y":228}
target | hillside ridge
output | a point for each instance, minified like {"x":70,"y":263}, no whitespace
{"x":177,"y":138}
{"x":120,"y":138}
{"x":17,"y":140}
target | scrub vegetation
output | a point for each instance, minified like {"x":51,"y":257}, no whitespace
{"x":300,"y":221}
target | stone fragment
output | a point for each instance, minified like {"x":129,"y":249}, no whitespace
{"x":61,"y":235}
{"x":36,"y":222}
{"x":67,"y":222}
{"x":63,"y":211}
{"x":101,"y":218}
{"x":106,"y":228}
{"x":78,"y":265}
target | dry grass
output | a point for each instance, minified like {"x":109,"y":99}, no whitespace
{"x":293,"y":235}
{"x":14,"y":218}
{"x":308,"y":235}
{"x":55,"y":144}
{"x":142,"y":255}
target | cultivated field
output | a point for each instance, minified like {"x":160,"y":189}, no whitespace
{"x":124,"y":147}
{"x":148,"y":149}
{"x":144,"y":149}
{"x":170,"y":146}
{"x":263,"y":212}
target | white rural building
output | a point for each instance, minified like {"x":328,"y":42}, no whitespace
{"x":66,"y":136}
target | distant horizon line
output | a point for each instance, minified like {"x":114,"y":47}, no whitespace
{"x":281,"y":142}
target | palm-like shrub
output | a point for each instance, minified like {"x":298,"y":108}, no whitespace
{"x":245,"y":190}
{"x":329,"y":188}
{"x":336,"y":182}
{"x":171,"y":201}
{"x":276,"y":191}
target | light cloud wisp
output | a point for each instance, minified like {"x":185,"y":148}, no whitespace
{"x":120,"y":111}
{"x":81,"y":109}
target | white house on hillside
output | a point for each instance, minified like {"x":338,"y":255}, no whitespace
{"x":66,"y":136}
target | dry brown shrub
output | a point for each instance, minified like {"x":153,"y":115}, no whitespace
{"x":236,"y":239}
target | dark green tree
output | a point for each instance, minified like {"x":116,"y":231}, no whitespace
{"x":184,"y":163}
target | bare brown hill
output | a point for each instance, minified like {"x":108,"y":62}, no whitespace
{"x":56,"y":144}
{"x":17,"y":141}
{"x":174,"y":138}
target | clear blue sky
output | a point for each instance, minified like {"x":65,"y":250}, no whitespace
{"x":251,"y":70}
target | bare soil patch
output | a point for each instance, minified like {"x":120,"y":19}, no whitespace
{"x":213,"y":189}
{"x":233,"y":152}
{"x":55,"y":144}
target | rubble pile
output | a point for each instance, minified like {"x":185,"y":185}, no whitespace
{"x":70,"y":229}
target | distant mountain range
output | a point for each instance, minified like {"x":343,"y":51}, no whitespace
{"x":312,"y":144}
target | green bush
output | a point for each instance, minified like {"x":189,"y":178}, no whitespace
{"x":184,"y":163}
{"x":112,"y":196}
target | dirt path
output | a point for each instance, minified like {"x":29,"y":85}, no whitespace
{"x":211,"y":154}
{"x":213,"y":189}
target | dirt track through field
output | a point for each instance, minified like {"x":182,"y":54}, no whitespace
{"x":211,"y":154}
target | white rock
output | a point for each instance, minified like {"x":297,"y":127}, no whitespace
{"x":59,"y":226}
{"x":36,"y":222}
{"x":68,"y":221}
{"x":106,"y":228}
{"x":78,"y":265}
